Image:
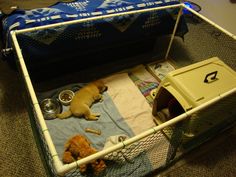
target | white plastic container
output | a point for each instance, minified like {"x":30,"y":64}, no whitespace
{"x":191,"y":86}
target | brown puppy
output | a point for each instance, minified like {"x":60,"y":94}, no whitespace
{"x":83,"y":99}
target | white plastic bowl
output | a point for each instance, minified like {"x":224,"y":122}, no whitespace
{"x":66,"y":96}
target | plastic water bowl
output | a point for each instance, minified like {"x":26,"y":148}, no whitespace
{"x":66,"y":96}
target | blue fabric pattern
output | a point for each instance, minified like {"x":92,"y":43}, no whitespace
{"x":79,"y":9}
{"x":78,"y":41}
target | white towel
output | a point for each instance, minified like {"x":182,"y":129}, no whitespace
{"x":130,"y":102}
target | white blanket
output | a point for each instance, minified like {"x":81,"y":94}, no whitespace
{"x":130,"y":102}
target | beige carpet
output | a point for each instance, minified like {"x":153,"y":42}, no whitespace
{"x":19,"y":156}
{"x":215,"y":158}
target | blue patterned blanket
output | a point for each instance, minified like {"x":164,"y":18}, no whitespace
{"x":132,"y":25}
{"x":78,"y":9}
{"x":100,"y":40}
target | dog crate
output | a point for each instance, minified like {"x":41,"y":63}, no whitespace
{"x":189,"y":87}
{"x":149,"y":150}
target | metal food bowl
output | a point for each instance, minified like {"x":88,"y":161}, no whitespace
{"x":50,"y":107}
{"x":66,"y":96}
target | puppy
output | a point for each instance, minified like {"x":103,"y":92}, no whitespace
{"x":83,"y":99}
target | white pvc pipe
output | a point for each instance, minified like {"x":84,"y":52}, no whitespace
{"x":96,"y":18}
{"x":209,"y":21}
{"x":149,"y":132}
{"x":62,"y":169}
{"x":174,"y":31}
{"x":35,"y":103}
{"x":59,"y":168}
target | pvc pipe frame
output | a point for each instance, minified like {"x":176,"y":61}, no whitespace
{"x":210,"y":22}
{"x":59,"y":167}
{"x":174,"y":31}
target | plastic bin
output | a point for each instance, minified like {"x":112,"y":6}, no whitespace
{"x":189,"y":87}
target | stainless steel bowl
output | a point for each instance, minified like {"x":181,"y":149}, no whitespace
{"x":50,"y":107}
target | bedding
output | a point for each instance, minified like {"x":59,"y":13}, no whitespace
{"x":120,"y":116}
{"x":102,"y":41}
{"x":117,"y":104}
{"x":144,"y":81}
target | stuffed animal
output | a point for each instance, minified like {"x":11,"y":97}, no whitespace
{"x":79,"y":147}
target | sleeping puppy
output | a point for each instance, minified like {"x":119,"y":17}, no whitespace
{"x":83,"y":99}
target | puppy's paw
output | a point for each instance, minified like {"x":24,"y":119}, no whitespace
{"x":92,"y":117}
{"x":64,"y":115}
{"x":101,"y":100}
{"x":96,"y":114}
{"x":98,"y":97}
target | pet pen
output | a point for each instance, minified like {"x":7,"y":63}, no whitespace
{"x":146,"y":143}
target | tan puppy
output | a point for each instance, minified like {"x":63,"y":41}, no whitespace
{"x":83,"y":99}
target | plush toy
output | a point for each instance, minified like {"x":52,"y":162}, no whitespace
{"x":79,"y":147}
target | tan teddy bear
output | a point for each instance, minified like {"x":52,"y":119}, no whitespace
{"x":79,"y":147}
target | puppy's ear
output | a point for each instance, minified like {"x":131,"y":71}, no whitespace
{"x":101,"y":86}
{"x":104,"y":88}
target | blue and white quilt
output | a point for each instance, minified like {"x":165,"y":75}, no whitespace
{"x":59,"y":42}
{"x":76,"y":10}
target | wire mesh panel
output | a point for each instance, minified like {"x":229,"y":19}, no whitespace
{"x":201,"y":42}
{"x":160,"y":148}
{"x":209,"y":122}
{"x":135,"y":159}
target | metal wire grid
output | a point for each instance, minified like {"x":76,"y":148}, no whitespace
{"x":175,"y":134}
